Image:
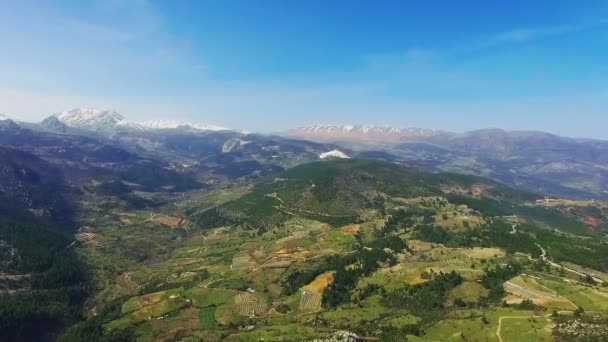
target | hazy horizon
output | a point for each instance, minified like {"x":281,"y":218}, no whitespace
{"x":459,"y":67}
{"x":280,"y":132}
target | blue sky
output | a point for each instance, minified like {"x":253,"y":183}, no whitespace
{"x":270,"y":65}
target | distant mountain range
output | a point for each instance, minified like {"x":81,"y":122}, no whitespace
{"x":530,"y":160}
{"x":361,"y":133}
{"x":161,"y":156}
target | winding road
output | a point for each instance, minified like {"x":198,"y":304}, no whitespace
{"x":543,"y":257}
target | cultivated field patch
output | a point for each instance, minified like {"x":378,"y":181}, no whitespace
{"x":252,"y":309}
{"x":310,"y":301}
{"x":245,"y":298}
{"x":320,"y":282}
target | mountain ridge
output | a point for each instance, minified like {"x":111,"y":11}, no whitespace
{"x":110,"y":121}
{"x":390,"y":134}
{"x":364,"y":133}
{"x":176,"y":124}
{"x":531,"y":160}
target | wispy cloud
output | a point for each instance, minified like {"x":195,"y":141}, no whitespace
{"x":524,"y":35}
{"x":530,"y":34}
{"x":499,"y":39}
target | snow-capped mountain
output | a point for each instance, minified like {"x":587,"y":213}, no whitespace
{"x":110,"y":121}
{"x":361,"y":133}
{"x":3,"y":117}
{"x":174,"y":124}
{"x":92,"y":119}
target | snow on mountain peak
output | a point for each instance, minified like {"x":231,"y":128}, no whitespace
{"x":108,"y":120}
{"x":370,"y":133}
{"x":89,"y":118}
{"x":3,"y":117}
{"x":173,"y":124}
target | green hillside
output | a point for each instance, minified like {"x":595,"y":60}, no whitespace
{"x":382,"y":251}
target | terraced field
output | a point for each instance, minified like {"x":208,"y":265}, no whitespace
{"x":245,"y":298}
{"x":310,"y":301}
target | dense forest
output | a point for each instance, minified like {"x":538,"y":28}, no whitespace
{"x":42,"y":282}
